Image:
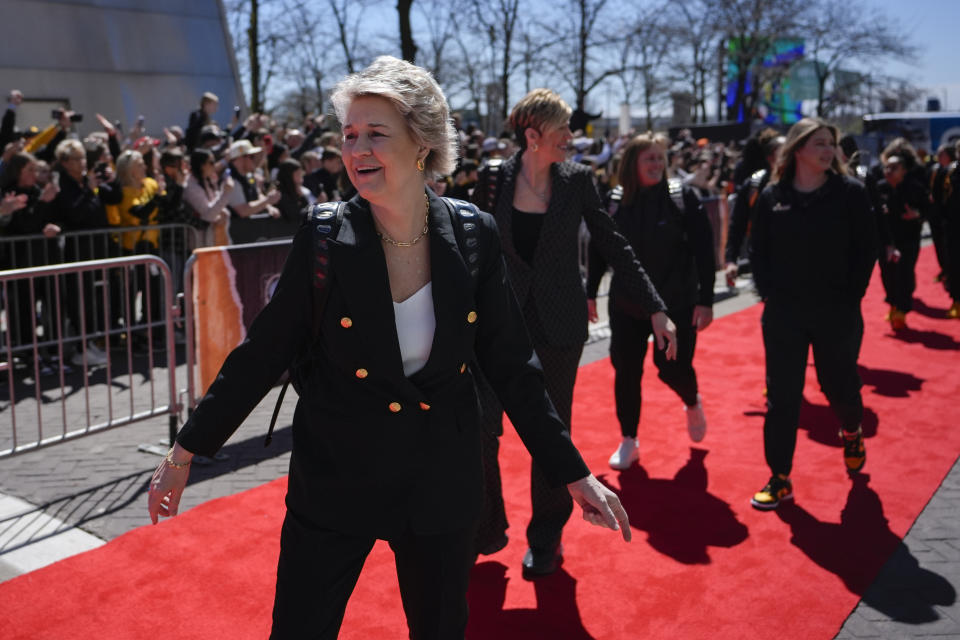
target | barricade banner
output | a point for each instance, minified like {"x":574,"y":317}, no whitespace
{"x":231,"y":285}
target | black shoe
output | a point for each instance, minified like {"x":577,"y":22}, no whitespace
{"x":491,"y":547}
{"x":537,"y":564}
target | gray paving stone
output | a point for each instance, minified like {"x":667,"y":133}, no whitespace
{"x":942,"y":627}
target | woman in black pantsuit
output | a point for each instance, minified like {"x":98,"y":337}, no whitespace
{"x":539,"y":200}
{"x":813,"y":248}
{"x":386,"y":441}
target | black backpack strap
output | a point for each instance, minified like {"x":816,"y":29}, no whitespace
{"x":466,"y":228}
{"x":675,"y":189}
{"x":757,"y":180}
{"x":613,"y":199}
{"x":490,"y":176}
{"x":325,"y":219}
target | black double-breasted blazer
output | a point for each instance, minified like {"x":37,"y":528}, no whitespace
{"x":374,"y":451}
{"x":553,"y":280}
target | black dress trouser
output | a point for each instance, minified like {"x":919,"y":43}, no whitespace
{"x":551,"y":506}
{"x":318,"y":569}
{"x":835,"y":332}
{"x":629,"y":339}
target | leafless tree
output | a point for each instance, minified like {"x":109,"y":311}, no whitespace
{"x":695,"y":48}
{"x":652,"y":39}
{"x":498,"y":19}
{"x":581,"y":55}
{"x":408,"y":47}
{"x":309,"y":63}
{"x":260,"y":43}
{"x":346,"y":17}
{"x":468,"y":68}
{"x":530,"y":59}
{"x":845,"y":34}
{"x":752,"y":26}
{"x":438,"y":37}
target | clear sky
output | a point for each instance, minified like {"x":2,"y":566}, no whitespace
{"x":935,"y":25}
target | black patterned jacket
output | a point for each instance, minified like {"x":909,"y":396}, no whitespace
{"x":554,"y":281}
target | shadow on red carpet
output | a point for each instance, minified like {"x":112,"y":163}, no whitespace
{"x":703,"y":563}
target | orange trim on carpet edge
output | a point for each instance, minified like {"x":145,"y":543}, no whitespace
{"x":703,"y":563}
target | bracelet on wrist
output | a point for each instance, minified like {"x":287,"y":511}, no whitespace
{"x":175,"y":465}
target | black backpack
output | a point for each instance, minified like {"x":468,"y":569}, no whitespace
{"x":326,"y":218}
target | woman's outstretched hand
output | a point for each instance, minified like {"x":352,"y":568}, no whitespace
{"x":665,"y":333}
{"x":601,"y":506}
{"x":167,"y":484}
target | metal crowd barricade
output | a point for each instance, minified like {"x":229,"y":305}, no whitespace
{"x":109,"y":303}
{"x":172,"y":242}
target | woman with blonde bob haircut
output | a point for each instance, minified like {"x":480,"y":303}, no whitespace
{"x":386,"y":441}
{"x":539,"y":201}
{"x":813,"y":248}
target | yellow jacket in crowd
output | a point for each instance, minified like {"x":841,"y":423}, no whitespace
{"x":136,"y":208}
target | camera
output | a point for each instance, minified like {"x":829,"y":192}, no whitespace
{"x":56,"y":114}
{"x":101,"y":170}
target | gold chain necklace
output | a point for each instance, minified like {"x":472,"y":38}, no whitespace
{"x":426,"y":228}
{"x":541,"y":195}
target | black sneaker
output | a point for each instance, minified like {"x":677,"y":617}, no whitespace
{"x":776,"y":490}
{"x":854,"y":452}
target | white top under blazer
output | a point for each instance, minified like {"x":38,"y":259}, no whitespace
{"x":416,"y":324}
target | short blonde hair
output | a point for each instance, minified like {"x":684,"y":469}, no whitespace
{"x":417,"y":97}
{"x":125,"y":166}
{"x":68,"y":148}
{"x":537,"y":110}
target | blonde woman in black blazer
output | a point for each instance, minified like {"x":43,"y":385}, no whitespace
{"x":539,"y":200}
{"x":386,"y":441}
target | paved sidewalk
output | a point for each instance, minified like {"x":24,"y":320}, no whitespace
{"x":72,"y":496}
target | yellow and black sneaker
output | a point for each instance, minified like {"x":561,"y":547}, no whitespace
{"x":854,"y":453}
{"x":776,"y":491}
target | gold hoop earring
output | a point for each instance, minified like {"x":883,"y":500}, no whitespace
{"x":419,"y":164}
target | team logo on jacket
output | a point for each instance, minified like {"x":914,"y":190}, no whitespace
{"x":781,"y":207}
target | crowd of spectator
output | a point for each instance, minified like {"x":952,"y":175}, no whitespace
{"x":253,"y":178}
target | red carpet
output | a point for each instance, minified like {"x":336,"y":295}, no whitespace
{"x":703,"y":564}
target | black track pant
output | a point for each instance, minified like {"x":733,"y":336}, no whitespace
{"x":900,"y":278}
{"x":835,"y":333}
{"x":552,"y":506}
{"x":628,"y":350}
{"x":938,"y":231}
{"x":318,"y":569}
{"x":953,"y":256}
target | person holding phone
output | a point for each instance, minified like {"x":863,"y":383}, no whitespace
{"x":209,"y":103}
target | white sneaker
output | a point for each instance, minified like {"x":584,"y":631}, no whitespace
{"x":626,"y":454}
{"x":696,"y":420}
